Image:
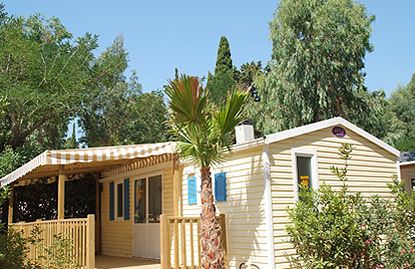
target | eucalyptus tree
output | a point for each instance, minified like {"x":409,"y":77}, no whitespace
{"x":316,"y":68}
{"x":204,"y":133}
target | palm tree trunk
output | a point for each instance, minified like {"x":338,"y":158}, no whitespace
{"x":210,"y":230}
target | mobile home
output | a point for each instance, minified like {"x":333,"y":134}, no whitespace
{"x":253,"y":187}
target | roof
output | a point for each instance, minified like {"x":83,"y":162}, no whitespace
{"x":108,"y":158}
{"x":338,"y":121}
{"x":411,"y":163}
{"x":407,"y":156}
{"x":86,"y":160}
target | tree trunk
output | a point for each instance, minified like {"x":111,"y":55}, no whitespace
{"x":210,"y":230}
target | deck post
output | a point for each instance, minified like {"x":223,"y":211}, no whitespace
{"x":176,"y":179}
{"x":164,"y":242}
{"x":98,"y":215}
{"x":90,"y":242}
{"x":10,"y":216}
{"x":61,"y":194}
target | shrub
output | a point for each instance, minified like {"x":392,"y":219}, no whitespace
{"x":337,"y":229}
{"x":14,"y":248}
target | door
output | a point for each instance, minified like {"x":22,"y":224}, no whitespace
{"x":147,"y":211}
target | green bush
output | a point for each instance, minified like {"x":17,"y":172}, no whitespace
{"x":14,"y":248}
{"x":337,"y":229}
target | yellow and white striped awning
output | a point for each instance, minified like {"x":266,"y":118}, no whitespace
{"x":75,"y":161}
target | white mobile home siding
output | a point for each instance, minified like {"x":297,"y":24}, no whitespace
{"x":370,"y":169}
{"x":117,"y":236}
{"x":244,"y":208}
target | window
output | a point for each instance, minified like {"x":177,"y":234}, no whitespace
{"x":413,"y":185}
{"x":148,"y":199}
{"x":304,"y":176}
{"x":119,"y":198}
{"x":304,"y":169}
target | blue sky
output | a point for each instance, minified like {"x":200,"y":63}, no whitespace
{"x":163,"y":35}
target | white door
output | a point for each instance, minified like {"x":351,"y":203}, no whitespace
{"x":147,"y":211}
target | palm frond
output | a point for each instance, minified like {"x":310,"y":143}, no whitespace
{"x":204,"y":133}
{"x":188,"y":100}
{"x":231,"y":115}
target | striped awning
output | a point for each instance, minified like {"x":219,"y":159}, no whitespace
{"x":86,"y":160}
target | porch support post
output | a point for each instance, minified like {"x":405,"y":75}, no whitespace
{"x":176,"y":181}
{"x":164,"y":242}
{"x":10,"y":219}
{"x":61,"y":193}
{"x":97,"y":215}
{"x":90,"y":242}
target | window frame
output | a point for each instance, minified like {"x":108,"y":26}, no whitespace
{"x":146,"y":176}
{"x":116,"y":183}
{"x":412,"y":188}
{"x":314,"y":168}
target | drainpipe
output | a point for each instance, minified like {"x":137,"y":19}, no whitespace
{"x":268,"y":204}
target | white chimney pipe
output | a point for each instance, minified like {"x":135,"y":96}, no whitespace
{"x":244,"y":133}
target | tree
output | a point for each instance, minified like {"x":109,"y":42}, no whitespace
{"x":401,"y":117}
{"x":222,"y":81}
{"x":43,"y":74}
{"x":247,"y":73}
{"x":204,"y":134}
{"x":117,"y":112}
{"x":316,"y":67}
{"x":72,"y":142}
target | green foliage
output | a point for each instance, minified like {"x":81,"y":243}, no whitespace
{"x":55,"y":255}
{"x":42,"y":69}
{"x":222,"y":82}
{"x":316,"y":68}
{"x":13,"y":250}
{"x":117,"y":112}
{"x":72,"y":142}
{"x":401,"y":117}
{"x":333,"y":228}
{"x":10,"y":160}
{"x":204,"y":130}
{"x":247,"y":73}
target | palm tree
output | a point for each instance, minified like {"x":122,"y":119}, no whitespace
{"x":205,"y":137}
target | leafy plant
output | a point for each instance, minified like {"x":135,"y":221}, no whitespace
{"x":56,"y":255}
{"x":13,"y":250}
{"x":337,"y":229}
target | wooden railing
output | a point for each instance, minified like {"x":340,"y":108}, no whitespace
{"x":180,"y":241}
{"x":81,"y":232}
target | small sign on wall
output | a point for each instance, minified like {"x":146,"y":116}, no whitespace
{"x":339,"y":131}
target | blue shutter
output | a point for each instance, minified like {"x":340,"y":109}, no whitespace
{"x":126,"y":199}
{"x":112,"y":201}
{"x":191,"y":191}
{"x":220,"y":187}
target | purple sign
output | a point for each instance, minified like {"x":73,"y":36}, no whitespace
{"x":339,"y":131}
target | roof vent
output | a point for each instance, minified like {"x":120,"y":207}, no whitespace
{"x":244,"y":133}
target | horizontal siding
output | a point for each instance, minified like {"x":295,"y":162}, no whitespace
{"x":370,"y":169}
{"x":244,"y":208}
{"x":168,"y":207}
{"x":116,"y":235}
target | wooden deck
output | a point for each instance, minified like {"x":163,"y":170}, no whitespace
{"x":104,"y":262}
